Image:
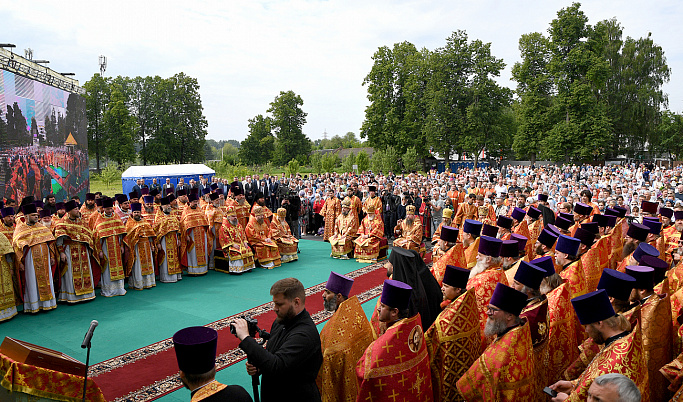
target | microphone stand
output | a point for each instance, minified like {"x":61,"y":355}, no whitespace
{"x":87,"y":363}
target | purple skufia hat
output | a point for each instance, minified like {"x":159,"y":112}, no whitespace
{"x":545,"y":263}
{"x":135,"y":206}
{"x":612,"y":220}
{"x":107,"y":203}
{"x":563,"y":223}
{"x":591,"y":227}
{"x":567,"y":216}
{"x":509,"y":248}
{"x":645,"y":249}
{"x":144,"y":191}
{"x":600,"y":220}
{"x":638,"y":231}
{"x":98,"y":202}
{"x":644,"y":276}
{"x":658,"y":264}
{"x":621,"y":211}
{"x":192,"y":197}
{"x":543,"y":197}
{"x":667,"y":212}
{"x":195,"y":349}
{"x":456,"y":276}
{"x":45,"y":213}
{"x":518,"y":214}
{"x":521,"y":241}
{"x":489,"y":230}
{"x":148,"y":199}
{"x":60,"y":205}
{"x":585,"y":237}
{"x":611,"y":212}
{"x":649,"y":207}
{"x":169,"y":191}
{"x":206,"y":191}
{"x":214,"y":186}
{"x":133,"y":194}
{"x":508,"y":299}
{"x":396,"y":294}
{"x":7,"y":211}
{"x":182,"y":192}
{"x":29,"y":209}
{"x":617,"y":284}
{"x":90,"y":196}
{"x":338,"y":283}
{"x":472,"y":227}
{"x":490,"y":246}
{"x":504,"y":222}
{"x":547,"y":238}
{"x":568,"y":245}
{"x":71,"y":204}
{"x":165,"y":201}
{"x":583,"y":209}
{"x":553,"y":229}
{"x":654,"y":226}
{"x":529,"y":275}
{"x":593,"y":307}
{"x":534,"y":212}
{"x":449,"y":234}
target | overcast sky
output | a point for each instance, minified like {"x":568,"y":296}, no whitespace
{"x":244,"y":53}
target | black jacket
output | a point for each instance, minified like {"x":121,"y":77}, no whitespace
{"x":290,"y":362}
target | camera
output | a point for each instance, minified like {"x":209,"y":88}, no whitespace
{"x":252,"y":325}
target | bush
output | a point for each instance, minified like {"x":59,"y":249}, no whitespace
{"x":348,"y":162}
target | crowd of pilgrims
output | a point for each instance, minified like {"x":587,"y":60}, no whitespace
{"x":539,"y":276}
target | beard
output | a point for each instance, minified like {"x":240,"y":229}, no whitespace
{"x":330,"y":305}
{"x":410,"y":221}
{"x":507,"y":264}
{"x":287,"y":316}
{"x":629,"y":247}
{"x":345,"y":213}
{"x":539,"y":250}
{"x":137,"y":218}
{"x":46,"y":224}
{"x":478,"y":268}
{"x":149,"y":210}
{"x":494,"y":327}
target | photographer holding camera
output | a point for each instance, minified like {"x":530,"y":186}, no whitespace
{"x":290,"y":362}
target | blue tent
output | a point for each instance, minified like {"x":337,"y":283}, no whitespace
{"x":163,"y":172}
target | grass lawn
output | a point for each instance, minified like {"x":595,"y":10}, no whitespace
{"x":98,"y":185}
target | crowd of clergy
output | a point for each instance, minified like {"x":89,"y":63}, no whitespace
{"x":558,"y":280}
{"x":62,"y":251}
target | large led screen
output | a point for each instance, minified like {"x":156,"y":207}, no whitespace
{"x":43,"y":140}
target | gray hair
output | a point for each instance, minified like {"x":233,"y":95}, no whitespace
{"x":626,"y":388}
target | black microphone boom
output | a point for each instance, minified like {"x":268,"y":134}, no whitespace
{"x":88,"y":335}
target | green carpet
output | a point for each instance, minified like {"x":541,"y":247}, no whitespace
{"x":143,"y":317}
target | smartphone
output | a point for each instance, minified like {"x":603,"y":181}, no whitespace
{"x":550,"y":392}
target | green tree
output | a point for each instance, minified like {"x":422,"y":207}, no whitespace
{"x":411,"y":160}
{"x":385,"y":161}
{"x":330,"y":161}
{"x":259,"y":145}
{"x":110,"y":174}
{"x":670,"y":132}
{"x":287,"y":123}
{"x":292,"y":167}
{"x":317,"y":162}
{"x":395,"y":87}
{"x":534,"y":88}
{"x":119,"y":125}
{"x":96,"y":101}
{"x":229,"y":153}
{"x":363,"y":161}
{"x":348,"y":162}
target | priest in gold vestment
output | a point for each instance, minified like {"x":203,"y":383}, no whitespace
{"x":345,"y":228}
{"x":397,"y":363}
{"x":166,"y":227}
{"x":331,"y":209}
{"x":370,"y":235}
{"x":194,"y":240}
{"x":37,"y":262}
{"x":76,"y":247}
{"x":454,"y":339}
{"x":505,"y":371}
{"x":287,"y":244}
{"x":8,"y":302}
{"x":454,"y":253}
{"x":260,"y":239}
{"x":622,"y":352}
{"x":408,"y":231}
{"x":108,"y":233}
{"x":140,"y":241}
{"x":235,"y":245}
{"x":344,"y":339}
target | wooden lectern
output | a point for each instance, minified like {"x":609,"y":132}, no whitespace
{"x":39,"y":356}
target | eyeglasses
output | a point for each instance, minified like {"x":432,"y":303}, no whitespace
{"x":492,"y":310}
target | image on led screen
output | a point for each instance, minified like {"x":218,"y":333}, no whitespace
{"x":43,"y":140}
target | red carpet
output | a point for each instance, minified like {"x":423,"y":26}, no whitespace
{"x":151,"y":372}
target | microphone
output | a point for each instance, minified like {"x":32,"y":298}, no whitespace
{"x":88,"y":335}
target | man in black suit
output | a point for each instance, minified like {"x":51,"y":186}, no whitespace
{"x":292,"y":358}
{"x":181,"y":186}
{"x":250,"y":190}
{"x":195,"y":349}
{"x":273,"y":185}
{"x":166,"y":186}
